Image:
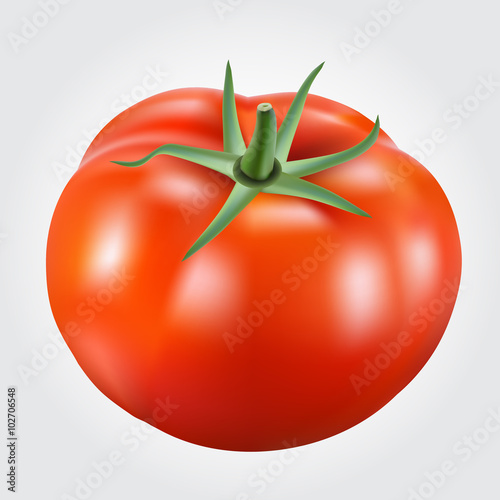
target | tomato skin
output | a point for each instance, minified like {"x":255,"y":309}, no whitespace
{"x":324,"y":294}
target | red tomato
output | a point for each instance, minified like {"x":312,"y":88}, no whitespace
{"x":296,"y":322}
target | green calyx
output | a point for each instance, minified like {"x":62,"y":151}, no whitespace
{"x":263,"y":166}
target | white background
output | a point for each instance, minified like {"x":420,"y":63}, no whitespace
{"x":75,"y":73}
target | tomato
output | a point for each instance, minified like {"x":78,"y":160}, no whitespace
{"x":292,"y":324}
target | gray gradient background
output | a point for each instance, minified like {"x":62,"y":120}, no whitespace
{"x":67,"y":79}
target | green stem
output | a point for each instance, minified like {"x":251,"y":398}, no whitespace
{"x":263,"y":167}
{"x":258,"y":159}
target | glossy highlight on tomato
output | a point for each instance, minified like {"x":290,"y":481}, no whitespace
{"x":296,"y":321}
